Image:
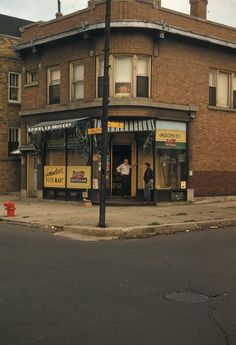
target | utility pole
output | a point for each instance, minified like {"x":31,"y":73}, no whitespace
{"x":105,"y":102}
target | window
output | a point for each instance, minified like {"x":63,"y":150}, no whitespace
{"x":222,"y":89}
{"x":123,"y":76}
{"x":13,"y":140}
{"x":129,"y":76}
{"x":31,"y":77}
{"x":142,"y":77}
{"x":234,"y":91}
{"x":77,"y":81}
{"x":100,"y":76}
{"x":212,"y":88}
{"x":54,"y":80}
{"x":14,"y":87}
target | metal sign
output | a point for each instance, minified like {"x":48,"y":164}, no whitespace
{"x":113,"y":124}
{"x":92,"y":131}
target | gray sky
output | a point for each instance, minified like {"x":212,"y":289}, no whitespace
{"x":222,"y":11}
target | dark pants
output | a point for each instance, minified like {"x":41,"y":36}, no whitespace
{"x":125,"y":185}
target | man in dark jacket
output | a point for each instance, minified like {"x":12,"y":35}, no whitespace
{"x":148,"y":180}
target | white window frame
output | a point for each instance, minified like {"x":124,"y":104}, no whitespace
{"x":72,"y":82}
{"x":49,"y":71}
{"x":29,"y":75}
{"x":112,"y":76}
{"x":231,"y":75}
{"x":18,"y":101}
{"x":15,"y":133}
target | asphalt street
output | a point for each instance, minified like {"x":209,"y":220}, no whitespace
{"x":168,"y":290}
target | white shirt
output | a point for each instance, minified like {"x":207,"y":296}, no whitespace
{"x":123,"y":169}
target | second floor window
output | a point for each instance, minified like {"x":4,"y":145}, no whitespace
{"x":77,"y":81}
{"x":222,"y":89}
{"x":129,"y":76}
{"x":54,"y":81}
{"x":31,"y":77}
{"x":14,"y":90}
{"x":13,"y":140}
{"x":123,"y":76}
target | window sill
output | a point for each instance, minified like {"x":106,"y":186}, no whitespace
{"x":31,"y":84}
{"x":14,"y":102}
{"x":231,"y":110}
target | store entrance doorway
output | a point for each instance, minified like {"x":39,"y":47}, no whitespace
{"x":119,"y":153}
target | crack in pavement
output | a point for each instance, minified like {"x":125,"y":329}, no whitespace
{"x":218,"y":324}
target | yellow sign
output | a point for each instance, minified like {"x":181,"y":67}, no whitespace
{"x":113,"y":124}
{"x":54,"y":176}
{"x":171,"y":134}
{"x":92,"y":131}
{"x":79,"y":177}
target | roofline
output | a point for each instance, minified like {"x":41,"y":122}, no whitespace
{"x":163,"y":27}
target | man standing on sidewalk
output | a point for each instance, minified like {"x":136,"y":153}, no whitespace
{"x":124,"y":171}
{"x":148,"y":180}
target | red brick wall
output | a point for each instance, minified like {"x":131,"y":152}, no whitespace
{"x":10,"y":167}
{"x":180,"y":74}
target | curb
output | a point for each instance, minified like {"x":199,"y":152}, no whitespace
{"x":132,"y":232}
{"x":151,"y":230}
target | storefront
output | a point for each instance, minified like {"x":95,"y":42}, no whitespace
{"x":71,"y":157}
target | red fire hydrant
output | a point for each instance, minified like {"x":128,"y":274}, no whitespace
{"x":10,"y":208}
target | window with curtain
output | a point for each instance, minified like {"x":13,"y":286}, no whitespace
{"x":77,"y":82}
{"x":100,"y":76}
{"x":54,"y":81}
{"x":234,"y":91}
{"x":212,"y":88}
{"x":142,"y":76}
{"x":123,"y":76}
{"x":223,"y":90}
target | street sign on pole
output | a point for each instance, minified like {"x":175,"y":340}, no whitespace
{"x":93,"y":131}
{"x":105,"y":102}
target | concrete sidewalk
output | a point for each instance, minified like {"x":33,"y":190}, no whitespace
{"x":123,"y":222}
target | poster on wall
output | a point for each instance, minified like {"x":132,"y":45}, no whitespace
{"x":54,"y":177}
{"x":79,"y":177}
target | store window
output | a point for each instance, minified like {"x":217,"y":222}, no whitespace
{"x":222,"y":89}
{"x":13,"y":140}
{"x":171,"y":155}
{"x":77,"y":81}
{"x":14,"y":87}
{"x":54,"y":81}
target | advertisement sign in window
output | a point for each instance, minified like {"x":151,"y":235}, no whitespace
{"x":79,"y":177}
{"x":54,"y":177}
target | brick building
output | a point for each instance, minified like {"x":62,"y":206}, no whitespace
{"x":172,"y":87}
{"x":10,"y":71}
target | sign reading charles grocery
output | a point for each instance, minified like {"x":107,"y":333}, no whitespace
{"x":171,"y":138}
{"x":54,"y":177}
{"x":79,"y":177}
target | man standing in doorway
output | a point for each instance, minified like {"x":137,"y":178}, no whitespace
{"x":148,"y":180}
{"x":124,"y":171}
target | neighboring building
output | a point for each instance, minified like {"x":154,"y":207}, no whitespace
{"x":10,"y":99}
{"x":172,"y":84}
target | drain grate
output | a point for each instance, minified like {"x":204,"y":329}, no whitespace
{"x":186,"y":297}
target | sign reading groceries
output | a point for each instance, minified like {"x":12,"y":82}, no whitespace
{"x":171,"y":138}
{"x":78,"y":177}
